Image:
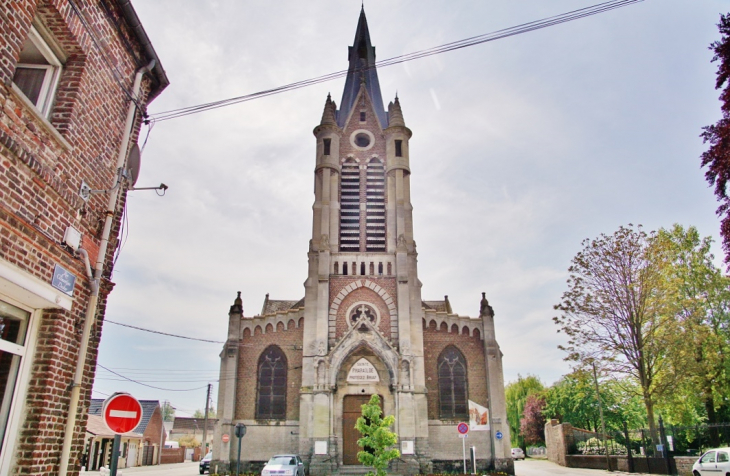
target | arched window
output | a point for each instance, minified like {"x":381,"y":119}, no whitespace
{"x":453,"y":387}
{"x":271,"y":391}
{"x":375,"y":216}
{"x":344,"y":269}
{"x":350,"y":207}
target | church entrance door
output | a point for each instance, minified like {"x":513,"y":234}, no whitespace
{"x":351,"y":411}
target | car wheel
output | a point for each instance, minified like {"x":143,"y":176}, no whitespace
{"x":696,"y":473}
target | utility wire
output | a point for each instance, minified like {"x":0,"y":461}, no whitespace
{"x":164,"y":333}
{"x":150,"y":386}
{"x":464,"y":43}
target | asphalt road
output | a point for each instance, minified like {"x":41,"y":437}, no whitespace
{"x":530,"y":467}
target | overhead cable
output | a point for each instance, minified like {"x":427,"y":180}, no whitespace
{"x":150,"y":386}
{"x":474,"y":40}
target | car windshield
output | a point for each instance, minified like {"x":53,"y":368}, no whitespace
{"x":209,"y":456}
{"x":283,"y":460}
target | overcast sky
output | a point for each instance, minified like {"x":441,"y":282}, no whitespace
{"x":521,"y":148}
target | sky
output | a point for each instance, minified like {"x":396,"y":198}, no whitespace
{"x":521,"y":149}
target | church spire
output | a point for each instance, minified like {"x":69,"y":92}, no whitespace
{"x":361,"y":69}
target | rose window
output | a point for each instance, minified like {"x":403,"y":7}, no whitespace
{"x":362,"y":310}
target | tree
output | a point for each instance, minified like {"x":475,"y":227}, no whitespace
{"x":376,"y":438}
{"x":168,"y":411}
{"x":717,"y":157}
{"x":532,"y":424}
{"x":516,"y":394}
{"x":617,"y":311}
{"x":188,"y":441}
{"x":573,"y":399}
{"x":702,"y":309}
{"x":199,"y":413}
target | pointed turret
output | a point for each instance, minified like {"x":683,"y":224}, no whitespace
{"x":395,"y":114}
{"x":329,"y":115}
{"x":362,"y":69}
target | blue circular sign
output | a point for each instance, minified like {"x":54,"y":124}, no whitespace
{"x":498,"y":435}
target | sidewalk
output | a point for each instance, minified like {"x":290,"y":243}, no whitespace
{"x":164,"y":469}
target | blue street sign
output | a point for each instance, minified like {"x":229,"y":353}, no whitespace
{"x":498,"y":435}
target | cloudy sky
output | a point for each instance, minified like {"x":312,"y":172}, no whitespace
{"x":521,"y":148}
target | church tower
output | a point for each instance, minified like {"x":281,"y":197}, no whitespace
{"x":297,"y":373}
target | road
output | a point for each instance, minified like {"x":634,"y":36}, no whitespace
{"x":530,"y":467}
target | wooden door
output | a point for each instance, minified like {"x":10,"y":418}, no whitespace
{"x":351,"y":411}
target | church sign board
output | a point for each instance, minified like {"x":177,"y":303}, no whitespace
{"x":363,"y":371}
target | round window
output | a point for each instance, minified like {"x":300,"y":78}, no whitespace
{"x":362,"y":140}
{"x":361,"y":311}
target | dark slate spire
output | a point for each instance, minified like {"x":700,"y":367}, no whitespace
{"x":362,"y":68}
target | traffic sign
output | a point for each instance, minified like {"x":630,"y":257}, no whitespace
{"x":462,"y":428}
{"x":498,"y":435}
{"x":121,"y":412}
{"x":225,"y":438}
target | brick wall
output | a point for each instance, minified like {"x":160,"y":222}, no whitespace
{"x":154,"y":430}
{"x":289,"y":339}
{"x":42,"y":164}
{"x":338,"y":283}
{"x":173,"y":455}
{"x":434,"y":342}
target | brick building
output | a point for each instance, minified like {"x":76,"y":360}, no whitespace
{"x":297,"y":373}
{"x":75,"y":76}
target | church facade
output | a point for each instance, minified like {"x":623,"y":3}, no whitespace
{"x":297,"y":373}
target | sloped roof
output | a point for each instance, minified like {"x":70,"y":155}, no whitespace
{"x":272,"y":306}
{"x":95,"y":425}
{"x":438,"y":306}
{"x":185,"y":424}
{"x":148,"y":408}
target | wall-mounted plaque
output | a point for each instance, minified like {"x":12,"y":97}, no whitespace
{"x":363,"y":371}
{"x":63,"y":280}
{"x":320,"y":447}
{"x":406,"y":447}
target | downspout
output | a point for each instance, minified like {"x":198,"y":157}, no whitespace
{"x":96,"y":280}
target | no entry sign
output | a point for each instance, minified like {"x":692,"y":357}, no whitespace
{"x":122,"y":413}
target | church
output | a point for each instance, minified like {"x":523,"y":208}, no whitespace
{"x":297,"y":373}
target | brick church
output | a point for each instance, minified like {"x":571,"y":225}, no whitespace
{"x":297,"y":373}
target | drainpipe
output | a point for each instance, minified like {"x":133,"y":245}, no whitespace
{"x":96,"y":280}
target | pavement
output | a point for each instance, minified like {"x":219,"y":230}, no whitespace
{"x":177,"y":469}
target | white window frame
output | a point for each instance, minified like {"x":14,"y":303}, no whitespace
{"x":20,"y":390}
{"x":53,"y":72}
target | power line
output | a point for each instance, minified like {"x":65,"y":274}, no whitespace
{"x":164,"y":333}
{"x":150,"y":386}
{"x":464,"y":43}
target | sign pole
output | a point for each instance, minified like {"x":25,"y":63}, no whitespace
{"x":115,"y":455}
{"x":240,"y":433}
{"x":463,"y":449}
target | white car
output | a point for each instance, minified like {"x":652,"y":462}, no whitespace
{"x":713,"y":462}
{"x":284,"y":465}
{"x":517,"y":453}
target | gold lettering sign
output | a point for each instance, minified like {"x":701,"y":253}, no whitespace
{"x":363,"y":371}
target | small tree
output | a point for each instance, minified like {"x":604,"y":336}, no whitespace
{"x":532,"y":424}
{"x":376,"y":438}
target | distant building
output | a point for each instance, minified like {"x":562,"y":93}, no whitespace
{"x":183,"y":426}
{"x":151,"y":429}
{"x":99,"y":441}
{"x":67,"y":71}
{"x":297,"y":373}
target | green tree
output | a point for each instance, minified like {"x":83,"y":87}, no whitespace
{"x":516,"y":394}
{"x":168,"y":411}
{"x":617,"y":311}
{"x":718,"y":135}
{"x":199,"y":413}
{"x":572,"y":399}
{"x":701,"y":356}
{"x":377,"y":438}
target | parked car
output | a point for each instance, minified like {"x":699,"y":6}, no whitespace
{"x":713,"y":462}
{"x":205,"y":463}
{"x":517,"y":453}
{"x":287,"y":465}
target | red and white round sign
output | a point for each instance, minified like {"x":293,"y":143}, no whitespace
{"x":462,"y":428}
{"x":225,"y":438}
{"x":121,"y":412}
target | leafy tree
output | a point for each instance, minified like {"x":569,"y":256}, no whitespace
{"x":188,"y":441}
{"x":573,"y":399}
{"x":168,"y":411}
{"x":516,"y":394}
{"x":617,"y":311}
{"x":717,"y":157}
{"x":532,"y":424}
{"x":199,"y":413}
{"x":377,"y":439}
{"x":701,"y":355}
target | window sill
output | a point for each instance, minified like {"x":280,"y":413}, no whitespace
{"x":18,"y":94}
